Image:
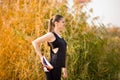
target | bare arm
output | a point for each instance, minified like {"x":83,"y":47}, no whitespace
{"x":64,"y":71}
{"x":49,"y":37}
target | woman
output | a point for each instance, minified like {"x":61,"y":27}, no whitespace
{"x":57,"y":48}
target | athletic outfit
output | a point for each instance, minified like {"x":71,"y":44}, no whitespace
{"x":57,"y":59}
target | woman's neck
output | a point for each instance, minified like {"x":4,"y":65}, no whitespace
{"x":57,"y":31}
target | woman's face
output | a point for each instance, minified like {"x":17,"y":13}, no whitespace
{"x":61,"y":24}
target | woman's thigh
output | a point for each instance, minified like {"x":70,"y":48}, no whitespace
{"x":54,"y":74}
{"x":48,"y":76}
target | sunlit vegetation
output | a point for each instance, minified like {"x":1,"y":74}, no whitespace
{"x":93,"y":52}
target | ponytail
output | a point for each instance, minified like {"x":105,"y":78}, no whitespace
{"x":51,"y":26}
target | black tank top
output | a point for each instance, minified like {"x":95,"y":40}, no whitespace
{"x":58,"y":59}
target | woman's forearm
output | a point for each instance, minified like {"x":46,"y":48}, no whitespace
{"x":37,"y":49}
{"x":64,"y":69}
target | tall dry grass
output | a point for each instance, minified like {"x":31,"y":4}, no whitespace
{"x":21,"y":21}
{"x":92,"y":54}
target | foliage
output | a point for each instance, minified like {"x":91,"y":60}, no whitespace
{"x":92,"y":53}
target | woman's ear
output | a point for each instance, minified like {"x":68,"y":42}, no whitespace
{"x":56,"y":23}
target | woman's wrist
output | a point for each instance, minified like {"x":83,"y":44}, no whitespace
{"x":63,"y":69}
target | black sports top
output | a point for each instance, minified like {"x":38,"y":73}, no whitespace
{"x":58,"y":59}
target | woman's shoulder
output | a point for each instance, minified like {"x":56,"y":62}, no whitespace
{"x":51,"y":35}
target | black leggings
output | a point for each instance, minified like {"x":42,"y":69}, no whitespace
{"x":54,"y":74}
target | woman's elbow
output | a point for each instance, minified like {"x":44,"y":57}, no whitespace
{"x":33,"y":43}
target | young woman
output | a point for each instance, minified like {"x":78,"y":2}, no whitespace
{"x":57,"y":48}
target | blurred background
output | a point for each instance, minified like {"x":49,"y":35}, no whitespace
{"x":92,"y":34}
